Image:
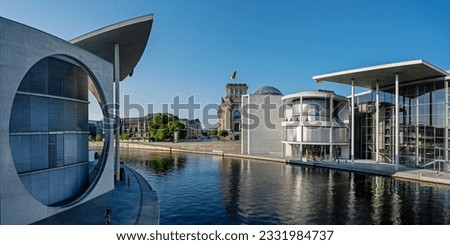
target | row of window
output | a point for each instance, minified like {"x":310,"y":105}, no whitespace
{"x":45,"y":151}
{"x":315,"y":134}
{"x":42,"y":114}
{"x":53,"y":76}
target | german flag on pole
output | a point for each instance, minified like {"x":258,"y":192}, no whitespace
{"x":233,"y":75}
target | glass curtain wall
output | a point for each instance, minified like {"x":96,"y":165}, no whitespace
{"x":316,"y":128}
{"x":422,"y":112}
{"x":49,"y":130}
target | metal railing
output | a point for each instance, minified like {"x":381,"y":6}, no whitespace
{"x":437,"y":165}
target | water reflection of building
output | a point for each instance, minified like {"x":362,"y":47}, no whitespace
{"x":404,"y":118}
{"x":287,"y":194}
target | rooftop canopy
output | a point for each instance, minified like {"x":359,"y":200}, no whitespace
{"x":132,"y":36}
{"x":367,"y":77}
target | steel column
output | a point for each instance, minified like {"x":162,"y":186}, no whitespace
{"x":352,"y":154}
{"x":117,"y":105}
{"x":397,"y":123}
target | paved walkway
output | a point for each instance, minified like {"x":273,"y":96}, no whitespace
{"x":384,"y":169}
{"x":131,"y":204}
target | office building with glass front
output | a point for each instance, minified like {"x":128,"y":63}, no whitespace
{"x":315,"y":126}
{"x":404,"y":117}
{"x":44,"y":124}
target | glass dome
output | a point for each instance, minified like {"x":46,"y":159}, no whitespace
{"x":268,"y":90}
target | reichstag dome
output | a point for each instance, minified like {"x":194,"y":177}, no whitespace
{"x":268,"y":90}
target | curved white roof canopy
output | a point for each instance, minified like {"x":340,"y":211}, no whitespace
{"x":367,"y":77}
{"x":132,"y":36}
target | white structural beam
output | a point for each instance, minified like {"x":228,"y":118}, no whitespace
{"x":377,"y":122}
{"x":331,"y":127}
{"x":352,"y":154}
{"x":417,"y":129}
{"x":248,"y":124}
{"x":300,"y":150}
{"x":397,"y":123}
{"x":117,"y":104}
{"x":446,"y":122}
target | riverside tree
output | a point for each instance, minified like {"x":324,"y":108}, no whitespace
{"x":222,"y":133}
{"x":212,"y":132}
{"x":163,"y":126}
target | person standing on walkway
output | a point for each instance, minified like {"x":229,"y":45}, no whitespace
{"x":108,"y":213}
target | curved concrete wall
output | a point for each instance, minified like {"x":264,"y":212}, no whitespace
{"x":20,"y":48}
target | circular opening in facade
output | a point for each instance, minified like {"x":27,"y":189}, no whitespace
{"x":49,"y":130}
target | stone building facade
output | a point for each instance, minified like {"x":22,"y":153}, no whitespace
{"x":229,"y":113}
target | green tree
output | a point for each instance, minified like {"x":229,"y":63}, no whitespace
{"x":158,"y":126}
{"x":98,"y":137}
{"x":163,"y":127}
{"x":125,"y":136}
{"x":222,"y":133}
{"x":212,"y":132}
{"x":177,"y":126}
{"x":162,"y":133}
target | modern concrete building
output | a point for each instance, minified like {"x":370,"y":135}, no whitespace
{"x":261,"y":122}
{"x":404,"y":118}
{"x":315,"y":126}
{"x":44,"y":125}
{"x":229,"y":113}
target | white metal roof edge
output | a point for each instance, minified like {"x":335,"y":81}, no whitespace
{"x":112,"y":27}
{"x":444,"y":72}
{"x":323,"y":77}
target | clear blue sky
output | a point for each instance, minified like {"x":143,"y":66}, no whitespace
{"x":194,"y":46}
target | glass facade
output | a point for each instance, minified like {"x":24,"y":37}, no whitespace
{"x":314,"y":131}
{"x":422,"y":121}
{"x":49,"y":130}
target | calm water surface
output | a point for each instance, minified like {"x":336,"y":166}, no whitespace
{"x":197,"y":189}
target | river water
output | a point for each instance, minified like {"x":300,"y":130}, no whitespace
{"x":199,"y":189}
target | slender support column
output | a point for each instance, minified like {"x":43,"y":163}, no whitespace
{"x":300,"y":150}
{"x":397,"y":123}
{"x":283,"y":150}
{"x":117,"y":104}
{"x":248,"y":124}
{"x":352,"y":154}
{"x":243,"y":128}
{"x":331,"y":127}
{"x":377,"y":123}
{"x":446,"y":122}
{"x":417,"y":126}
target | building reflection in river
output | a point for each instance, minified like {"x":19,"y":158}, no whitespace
{"x":299,"y":195}
{"x":198,"y":189}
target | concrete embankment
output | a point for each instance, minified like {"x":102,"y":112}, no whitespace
{"x":383,"y":169}
{"x":215,"y":148}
